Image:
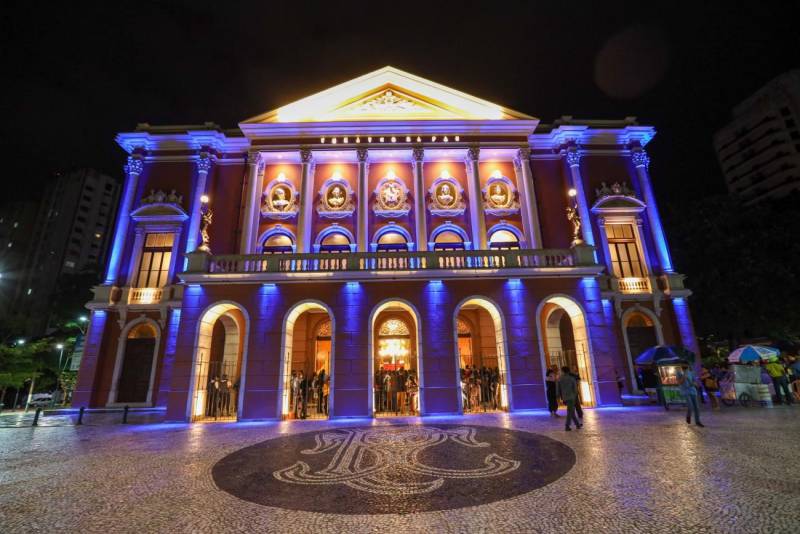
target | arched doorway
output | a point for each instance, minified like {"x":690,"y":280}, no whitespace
{"x":135,"y":368}
{"x":395,"y":360}
{"x":306,"y":363}
{"x":482,"y":357}
{"x":565,"y":342}
{"x":640,"y":330}
{"x":219,"y":358}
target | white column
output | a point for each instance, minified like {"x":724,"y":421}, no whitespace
{"x":306,"y":201}
{"x":574,"y":162}
{"x":420,"y":222}
{"x":363,"y":200}
{"x":252,"y":201}
{"x":203,"y":167}
{"x":133,"y":169}
{"x":530,"y":210}
{"x":477,"y":221}
{"x":642,"y":161}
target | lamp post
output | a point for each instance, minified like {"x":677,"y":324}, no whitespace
{"x":60,"y":348}
{"x":82,"y":319}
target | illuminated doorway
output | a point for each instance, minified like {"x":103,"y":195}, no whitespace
{"x":566,"y":343}
{"x":482,"y":354}
{"x":640,"y":330}
{"x":397,"y":380}
{"x":219,"y":355}
{"x":305,"y":382}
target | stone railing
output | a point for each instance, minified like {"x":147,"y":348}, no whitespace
{"x":377,"y":262}
{"x":144,"y":295}
{"x":634,"y":285}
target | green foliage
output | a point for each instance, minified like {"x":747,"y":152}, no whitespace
{"x":742,"y":265}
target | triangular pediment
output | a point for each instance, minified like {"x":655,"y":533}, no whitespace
{"x":388,"y":94}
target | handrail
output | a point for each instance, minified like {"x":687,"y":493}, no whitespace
{"x":390,"y":261}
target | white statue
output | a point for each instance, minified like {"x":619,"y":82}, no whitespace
{"x":336,"y":198}
{"x":444,"y":196}
{"x":498,"y":196}
{"x":279,"y":199}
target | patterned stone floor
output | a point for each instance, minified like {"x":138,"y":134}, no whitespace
{"x":636,"y":470}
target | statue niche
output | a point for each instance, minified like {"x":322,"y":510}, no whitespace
{"x":446,"y":196}
{"x":279,"y":200}
{"x":335,"y":198}
{"x":391,"y":197}
{"x":500,"y":196}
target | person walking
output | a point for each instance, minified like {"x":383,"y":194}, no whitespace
{"x":778,"y":375}
{"x":687,"y":383}
{"x":551,"y":381}
{"x":578,"y":403}
{"x":568,"y":387}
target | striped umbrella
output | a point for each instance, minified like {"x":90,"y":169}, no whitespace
{"x":753,"y":353}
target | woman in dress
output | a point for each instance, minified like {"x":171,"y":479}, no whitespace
{"x":551,"y":381}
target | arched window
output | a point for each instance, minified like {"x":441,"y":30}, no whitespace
{"x":335,"y":242}
{"x":278,"y":244}
{"x":448,"y":240}
{"x":391,"y":241}
{"x":503,"y":239}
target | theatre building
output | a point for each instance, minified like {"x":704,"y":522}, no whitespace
{"x":386,"y":223}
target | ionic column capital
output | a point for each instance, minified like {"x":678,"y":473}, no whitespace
{"x":640,"y":158}
{"x":254,"y":158}
{"x":204,"y":163}
{"x":573,"y":156}
{"x":473,"y":154}
{"x":135,"y":165}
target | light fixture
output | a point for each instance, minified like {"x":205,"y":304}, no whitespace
{"x":281,"y":177}
{"x":433,"y":138}
{"x":333,"y":141}
{"x":369,"y":139}
{"x":444,"y":174}
{"x":21,"y":341}
{"x":458,"y":139}
{"x":322,"y":140}
{"x":394,"y":139}
{"x":345,"y":140}
{"x":445,"y":139}
{"x":419,"y":139}
{"x":381,"y":139}
{"x":572,"y":192}
{"x":408,"y":139}
{"x":203,"y":200}
{"x":336,"y":175}
{"x":60,"y":346}
{"x":83,"y":318}
{"x":391,"y":175}
{"x":497,"y":174}
{"x":358,"y":139}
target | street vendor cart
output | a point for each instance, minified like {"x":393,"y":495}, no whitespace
{"x":667,"y":362}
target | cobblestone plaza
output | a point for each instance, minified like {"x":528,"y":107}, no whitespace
{"x":628,"y":470}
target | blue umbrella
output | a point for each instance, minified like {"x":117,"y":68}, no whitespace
{"x":753,"y":353}
{"x":664,"y":354}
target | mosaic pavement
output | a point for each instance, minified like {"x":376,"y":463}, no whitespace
{"x":627,"y":470}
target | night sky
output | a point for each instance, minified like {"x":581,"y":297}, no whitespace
{"x":78,"y":72}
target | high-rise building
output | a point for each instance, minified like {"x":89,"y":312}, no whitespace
{"x":17,"y":223}
{"x":759,"y":150}
{"x":411,"y":247}
{"x":70,"y":236}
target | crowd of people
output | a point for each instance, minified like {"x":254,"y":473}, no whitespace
{"x":221,"y":397}
{"x":480,"y":388}
{"x":305,"y":391}
{"x":564,"y":385}
{"x":396,"y":391}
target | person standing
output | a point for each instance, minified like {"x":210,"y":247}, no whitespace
{"x":687,"y":383}
{"x":578,"y":403}
{"x":568,"y":387}
{"x":551,"y":382}
{"x":401,"y":390}
{"x":320,"y":386}
{"x":778,"y":375}
{"x":620,"y":382}
{"x":711,"y":386}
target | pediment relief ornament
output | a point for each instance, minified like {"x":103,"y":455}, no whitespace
{"x":617,"y":198}
{"x":336,"y":198}
{"x":160,"y":197}
{"x":391,"y":197}
{"x":616,"y":189}
{"x":446,"y":197}
{"x":500,"y":196}
{"x":388,"y":102}
{"x":279,"y":200}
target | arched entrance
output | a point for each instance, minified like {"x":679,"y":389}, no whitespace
{"x":135,"y":367}
{"x":566,"y":342}
{"x":219,"y":358}
{"x":306,"y":362}
{"x":640,"y":330}
{"x":482,"y":357}
{"x":394,"y":362}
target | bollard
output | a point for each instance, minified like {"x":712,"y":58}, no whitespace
{"x":80,"y":416}
{"x":125,"y":414}
{"x":36,"y":417}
